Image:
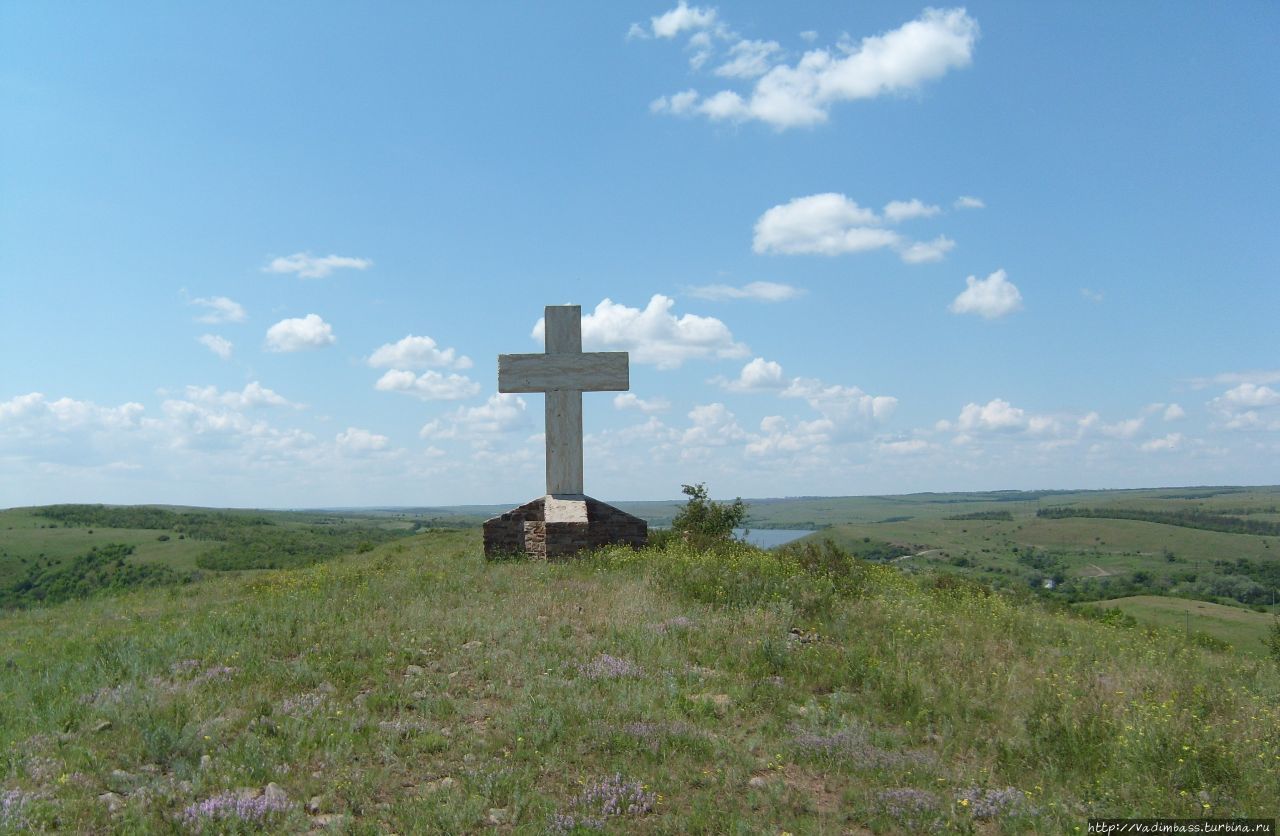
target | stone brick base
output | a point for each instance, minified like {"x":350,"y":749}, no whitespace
{"x":561,"y":526}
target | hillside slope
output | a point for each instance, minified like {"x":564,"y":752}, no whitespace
{"x":416,"y":688}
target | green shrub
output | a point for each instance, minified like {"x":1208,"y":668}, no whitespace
{"x":1272,"y":641}
{"x":703,"y":522}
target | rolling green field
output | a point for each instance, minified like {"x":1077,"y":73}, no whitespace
{"x":26,"y":538}
{"x":1244,"y":630}
{"x":54,"y":552}
{"x":1074,"y":558}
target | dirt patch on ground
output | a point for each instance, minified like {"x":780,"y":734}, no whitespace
{"x":814,"y":786}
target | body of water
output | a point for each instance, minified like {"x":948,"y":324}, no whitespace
{"x":767,"y":538}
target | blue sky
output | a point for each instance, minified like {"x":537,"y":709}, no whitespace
{"x":266,"y":254}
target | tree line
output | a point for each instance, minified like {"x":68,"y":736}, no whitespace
{"x":1183,"y":518}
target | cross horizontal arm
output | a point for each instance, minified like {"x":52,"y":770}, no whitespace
{"x":597,"y":371}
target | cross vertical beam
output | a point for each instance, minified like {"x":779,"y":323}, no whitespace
{"x":563,"y":332}
{"x":563,"y":372}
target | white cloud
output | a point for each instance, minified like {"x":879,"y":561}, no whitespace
{"x":759,"y":375}
{"x":430,"y":385}
{"x":502,"y":413}
{"x":748,"y":59}
{"x":682,"y":18}
{"x":308,"y":266}
{"x":723,"y":105}
{"x":33,"y":414}
{"x":1000,"y":418}
{"x":1249,"y":395}
{"x":203,"y":444}
{"x":629,"y":400}
{"x":298,"y":334}
{"x":823,"y":224}
{"x":218,"y":345}
{"x":967,"y":202}
{"x":781,"y":437}
{"x":416,"y":353}
{"x":992,"y":297}
{"x":1122,"y":429}
{"x":713,"y":425}
{"x":1170,"y":442}
{"x":920,"y":252}
{"x":841,"y":403}
{"x":701,"y":47}
{"x":357,"y":441}
{"x":654,"y":335}
{"x":906,"y":447}
{"x":833,"y":224}
{"x":1257,"y":377}
{"x":221,"y":309}
{"x":758,"y":291}
{"x":896,"y":211}
{"x":997,"y":415}
{"x":205,"y":420}
{"x":809,"y":36}
{"x":1247,"y":406}
{"x":802,"y":94}
{"x":1044,"y":425}
{"x":1095,"y":296}
{"x":209,"y":427}
{"x":677,"y":103}
{"x":1173,"y":412}
{"x":253,"y":395}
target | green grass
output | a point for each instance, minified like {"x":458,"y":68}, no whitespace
{"x":196,"y":538}
{"x":755,"y":692}
{"x":1243,"y":629}
{"x":27,"y":537}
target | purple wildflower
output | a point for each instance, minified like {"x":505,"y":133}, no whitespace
{"x":992,"y":804}
{"x":302,"y":704}
{"x":109,"y":694}
{"x":913,"y":809}
{"x":680,"y":622}
{"x":233,"y":806}
{"x":13,"y":809}
{"x":613,"y":797}
{"x":852,"y":745}
{"x":653,"y":734}
{"x":184,"y":666}
{"x":605,"y":666}
{"x":907,"y":802}
{"x":215,"y":672}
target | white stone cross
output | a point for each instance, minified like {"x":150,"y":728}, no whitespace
{"x":564,"y":372}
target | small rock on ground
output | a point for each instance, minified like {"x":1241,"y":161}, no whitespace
{"x":329,"y":820}
{"x":445,"y":783}
{"x":114,"y":801}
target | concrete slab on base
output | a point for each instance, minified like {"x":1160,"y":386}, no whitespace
{"x":561,"y":525}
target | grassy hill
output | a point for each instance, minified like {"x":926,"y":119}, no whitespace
{"x":1240,"y":629}
{"x":416,"y":688}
